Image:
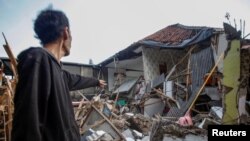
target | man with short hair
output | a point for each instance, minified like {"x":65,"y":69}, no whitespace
{"x":43,"y":107}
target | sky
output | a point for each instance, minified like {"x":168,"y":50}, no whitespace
{"x":101,"y":28}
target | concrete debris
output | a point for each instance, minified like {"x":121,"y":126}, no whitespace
{"x":137,"y":134}
{"x":216,"y":112}
{"x":146,"y":138}
{"x":106,"y":137}
{"x":95,"y":136}
{"x":128,"y":134}
{"x":120,"y":124}
{"x":98,"y":135}
{"x":153,"y":106}
{"x":188,"y":137}
{"x":208,"y":121}
{"x":141,"y":123}
{"x":213,"y":93}
{"x":129,"y":114}
{"x":129,"y":139}
{"x":162,"y":127}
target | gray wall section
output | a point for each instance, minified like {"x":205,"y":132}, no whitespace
{"x":86,"y":71}
{"x":222,"y":46}
{"x":72,"y":69}
{"x":219,"y":45}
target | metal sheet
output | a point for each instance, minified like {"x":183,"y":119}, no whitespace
{"x":188,"y":137}
{"x":201,"y":63}
{"x":159,"y":80}
{"x":126,"y":86}
{"x":152,"y":107}
{"x":106,"y":126}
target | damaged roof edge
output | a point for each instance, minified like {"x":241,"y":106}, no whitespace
{"x":199,"y":37}
{"x":123,"y":54}
{"x":129,"y":52}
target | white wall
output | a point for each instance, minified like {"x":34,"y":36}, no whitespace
{"x":152,"y":57}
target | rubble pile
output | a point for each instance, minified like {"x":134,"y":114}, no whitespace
{"x":169,"y":128}
{"x":194,"y":92}
{"x":101,"y":118}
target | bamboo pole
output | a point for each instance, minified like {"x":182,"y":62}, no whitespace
{"x":11,"y":57}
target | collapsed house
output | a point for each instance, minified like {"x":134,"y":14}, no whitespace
{"x":175,"y":60}
{"x":184,"y":71}
{"x":168,"y":86}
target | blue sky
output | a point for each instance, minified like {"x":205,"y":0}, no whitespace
{"x":101,"y":28}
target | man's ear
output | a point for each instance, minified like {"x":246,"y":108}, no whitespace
{"x":66,"y":33}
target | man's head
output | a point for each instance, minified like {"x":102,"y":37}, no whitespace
{"x":51,"y":26}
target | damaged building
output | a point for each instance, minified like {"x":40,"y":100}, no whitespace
{"x":183,"y":72}
{"x":174,"y":61}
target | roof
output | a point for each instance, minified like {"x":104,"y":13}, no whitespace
{"x":174,"y":33}
{"x":175,"y":36}
{"x":178,"y":36}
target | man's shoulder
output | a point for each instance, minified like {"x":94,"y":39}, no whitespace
{"x":33,"y":53}
{"x":33,"y":50}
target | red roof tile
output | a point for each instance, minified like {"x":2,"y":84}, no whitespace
{"x":174,"y":34}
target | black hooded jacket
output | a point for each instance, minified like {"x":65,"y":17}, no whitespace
{"x":43,"y":107}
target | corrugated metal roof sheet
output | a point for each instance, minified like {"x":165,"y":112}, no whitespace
{"x":201,"y":63}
